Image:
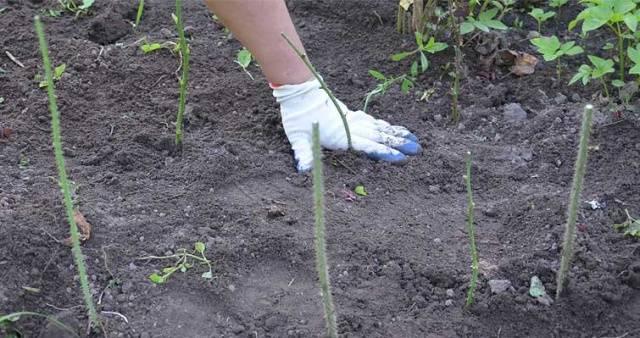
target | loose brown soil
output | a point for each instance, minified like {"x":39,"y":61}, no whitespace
{"x":399,"y":256}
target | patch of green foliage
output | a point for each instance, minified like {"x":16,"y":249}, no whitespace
{"x":630,"y":226}
{"x":76,"y":8}
{"x":243,"y":59}
{"x":406,"y":82}
{"x":57,"y":75}
{"x":541,"y":16}
{"x":601,"y":67}
{"x":424,"y":45}
{"x":485,"y":21}
{"x":552,"y":49}
{"x":185,"y":260}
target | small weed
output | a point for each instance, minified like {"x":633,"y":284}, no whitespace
{"x":601,"y":67}
{"x":504,"y":6}
{"x":150,"y":47}
{"x":574,"y":200}
{"x":185,"y":260}
{"x":424,"y":46}
{"x":139,"y":12}
{"x":557,"y":4}
{"x":471,"y":228}
{"x":360,"y":190}
{"x":76,"y":8}
{"x":552,"y":49}
{"x":484,"y":22}
{"x":57,"y":75}
{"x":631,"y":226}
{"x":381,"y":88}
{"x":243,"y":58}
{"x":24,"y":161}
{"x":541,"y":16}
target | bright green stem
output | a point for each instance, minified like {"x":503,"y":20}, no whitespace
{"x":62,"y":173}
{"x":604,"y":85}
{"x":184,"y":51}
{"x":140,"y":10}
{"x":323,"y":85}
{"x":539,"y":25}
{"x":472,"y":236}
{"x":620,"y":51}
{"x":16,"y":316}
{"x":321,"y":256}
{"x":574,"y":199}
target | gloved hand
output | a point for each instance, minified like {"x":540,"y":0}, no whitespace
{"x":305,"y":103}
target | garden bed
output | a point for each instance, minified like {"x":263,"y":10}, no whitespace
{"x":399,"y":257}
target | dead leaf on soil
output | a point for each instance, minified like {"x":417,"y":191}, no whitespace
{"x":525,"y":64}
{"x":84,"y":228}
{"x":519,"y":63}
{"x":405,"y":4}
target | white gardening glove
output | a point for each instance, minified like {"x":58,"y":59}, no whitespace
{"x":305,"y":103}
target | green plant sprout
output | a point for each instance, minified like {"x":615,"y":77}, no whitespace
{"x":57,"y":75}
{"x":139,"y":12}
{"x":621,"y":16}
{"x":323,"y":85}
{"x":6,"y":322}
{"x":557,"y":4}
{"x":631,"y":226}
{"x":484,"y":22}
{"x":184,"y":261}
{"x":75,"y":8}
{"x":552,"y":49}
{"x":574,"y":199}
{"x":541,"y":16}
{"x":243,"y":58}
{"x":150,"y":47}
{"x":184,"y":53}
{"x":386,"y":83}
{"x":53,"y":13}
{"x":428,"y":46}
{"x":504,"y":6}
{"x":320,"y":245}
{"x":62,"y":173}
{"x":471,"y":228}
{"x":601,"y":67}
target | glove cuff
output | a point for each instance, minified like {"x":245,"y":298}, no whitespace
{"x":287,"y":91}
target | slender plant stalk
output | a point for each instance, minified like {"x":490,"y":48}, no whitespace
{"x":16,"y":315}
{"x":455,"y":88}
{"x":62,"y":173}
{"x":401,"y":20}
{"x":323,"y":85}
{"x":621,"y":50}
{"x":471,"y":229}
{"x":321,"y":256}
{"x":184,"y":52}
{"x":140,"y":10}
{"x":574,"y":199}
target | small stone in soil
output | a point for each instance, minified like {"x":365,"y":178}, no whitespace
{"x":449,"y":293}
{"x":513,"y":112}
{"x":499,"y":285}
{"x":448,"y":302}
{"x":560,"y":99}
{"x":275,"y":211}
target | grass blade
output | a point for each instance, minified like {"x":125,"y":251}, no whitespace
{"x":62,"y":173}
{"x":471,"y":229}
{"x":320,"y":245}
{"x":139,"y":14}
{"x":574,"y":199}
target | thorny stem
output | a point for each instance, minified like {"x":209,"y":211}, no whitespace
{"x":184,"y":51}
{"x":323,"y":85}
{"x":320,"y":245}
{"x":472,"y":236}
{"x":574,"y":199}
{"x":62,"y":173}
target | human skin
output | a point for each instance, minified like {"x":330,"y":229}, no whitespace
{"x":258,"y":25}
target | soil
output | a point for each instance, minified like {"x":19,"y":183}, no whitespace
{"x":399,"y":257}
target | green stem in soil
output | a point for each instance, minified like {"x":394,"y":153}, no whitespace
{"x":574,"y":199}
{"x":455,"y":88}
{"x":184,"y":51}
{"x":620,"y":51}
{"x":62,"y":173}
{"x":12,"y":317}
{"x":323,"y":85}
{"x":320,"y":245}
{"x":471,"y":231}
{"x":604,"y":86}
{"x":139,"y":14}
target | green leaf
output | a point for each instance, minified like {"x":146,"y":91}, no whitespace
{"x":602,"y":66}
{"x":631,"y":226}
{"x":414,"y":69}
{"x":183,"y":268}
{"x":169,"y":269}
{"x":608,"y":46}
{"x":631,"y":20}
{"x":243,"y":58}
{"x":592,"y":24}
{"x":200,"y":247}
{"x":495,"y":24}
{"x":405,"y":86}
{"x":58,"y":71}
{"x":424,"y":63}
{"x":150,"y":47}
{"x":488,"y":15}
{"x":400,"y":56}
{"x":419,"y":38}
{"x":156,"y":279}
{"x":86,"y":4}
{"x":622,"y":6}
{"x":635,"y":70}
{"x":207,"y":275}
{"x":617,"y":83}
{"x":536,"y":288}
{"x":584,"y":73}
{"x":466,"y":28}
{"x":434,"y":47}
{"x":376,"y":74}
{"x":359,"y":190}
{"x":575,"y":50}
{"x":572,"y":24}
{"x":481,"y":26}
